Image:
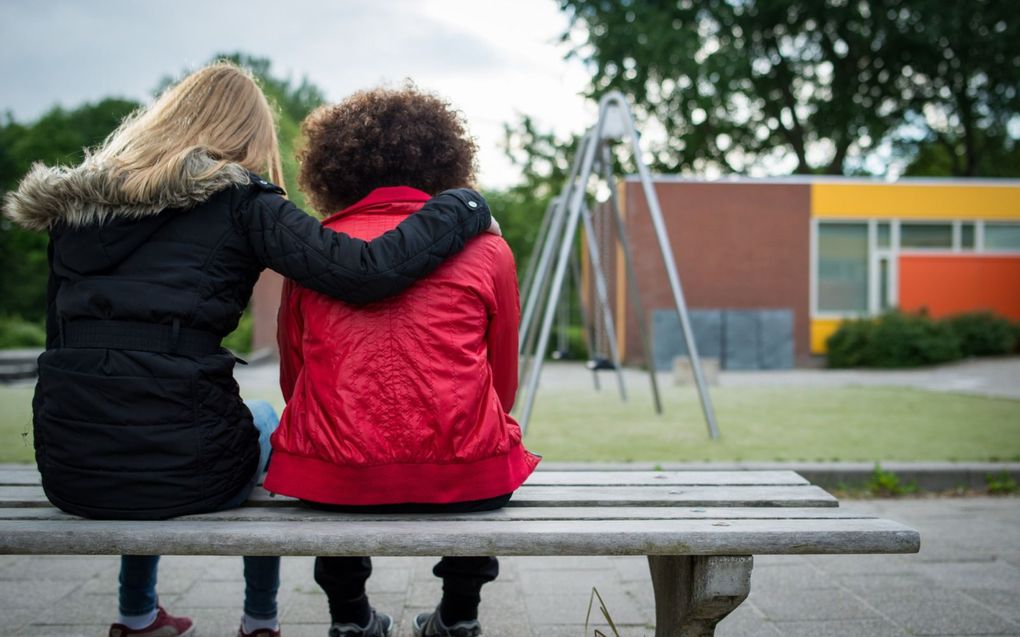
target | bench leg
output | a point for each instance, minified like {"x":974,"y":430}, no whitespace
{"x":694,"y":593}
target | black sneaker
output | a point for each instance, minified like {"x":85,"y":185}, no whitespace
{"x":431,"y":625}
{"x":379,"y":625}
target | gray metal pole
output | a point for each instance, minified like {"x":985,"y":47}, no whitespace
{"x":575,"y":269}
{"x":540,"y":280}
{"x":669,"y":260}
{"x":537,"y":292}
{"x":628,"y":258}
{"x":602,"y":293}
{"x":569,"y":232}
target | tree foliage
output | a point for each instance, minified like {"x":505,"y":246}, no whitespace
{"x":60,"y":137}
{"x":742,"y":85}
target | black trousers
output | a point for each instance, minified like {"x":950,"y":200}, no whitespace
{"x":343,"y":578}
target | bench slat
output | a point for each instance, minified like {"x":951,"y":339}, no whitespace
{"x":298,"y":513}
{"x":665,"y":478}
{"x":19,"y":475}
{"x":474,"y":537}
{"x":765,"y":496}
{"x":10,"y":476}
{"x":733,"y":496}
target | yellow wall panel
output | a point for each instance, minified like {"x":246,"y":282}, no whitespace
{"x":916,"y":201}
{"x":822,"y":329}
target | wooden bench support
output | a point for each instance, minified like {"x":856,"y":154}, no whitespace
{"x":694,"y":593}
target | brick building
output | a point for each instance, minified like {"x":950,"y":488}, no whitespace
{"x":791,"y":258}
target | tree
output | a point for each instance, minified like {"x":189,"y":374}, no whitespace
{"x":58,"y":137}
{"x":544,"y":161}
{"x":742,"y":85}
{"x":961,"y":82}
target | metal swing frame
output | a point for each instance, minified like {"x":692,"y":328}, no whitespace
{"x":554,"y":255}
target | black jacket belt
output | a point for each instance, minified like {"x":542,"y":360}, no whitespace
{"x":139,"y":336}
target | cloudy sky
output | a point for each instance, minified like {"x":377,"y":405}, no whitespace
{"x":492,"y":58}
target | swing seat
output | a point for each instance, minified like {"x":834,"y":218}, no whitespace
{"x":599,"y":364}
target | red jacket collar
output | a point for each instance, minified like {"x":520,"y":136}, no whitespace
{"x":381,"y":196}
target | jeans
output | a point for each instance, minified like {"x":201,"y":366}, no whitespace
{"x":261,"y":574}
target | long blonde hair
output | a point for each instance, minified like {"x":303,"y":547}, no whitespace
{"x":218,"y":111}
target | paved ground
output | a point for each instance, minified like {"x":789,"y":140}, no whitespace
{"x":965,"y":581}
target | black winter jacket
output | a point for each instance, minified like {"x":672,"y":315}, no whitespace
{"x":125,"y":433}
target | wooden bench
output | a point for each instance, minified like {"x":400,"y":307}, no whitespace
{"x":699,"y":530}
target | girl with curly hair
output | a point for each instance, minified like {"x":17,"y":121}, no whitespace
{"x":401,"y":405}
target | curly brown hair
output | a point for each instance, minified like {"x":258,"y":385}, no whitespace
{"x":383,"y":137}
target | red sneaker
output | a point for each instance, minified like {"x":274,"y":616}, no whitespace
{"x":165,"y":625}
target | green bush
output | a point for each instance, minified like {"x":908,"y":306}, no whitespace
{"x":894,"y":339}
{"x":848,"y":344}
{"x":1016,"y":337}
{"x":15,"y":332}
{"x":983,"y":333}
{"x":240,"y":339}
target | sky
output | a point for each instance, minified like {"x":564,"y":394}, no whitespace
{"x":492,"y":59}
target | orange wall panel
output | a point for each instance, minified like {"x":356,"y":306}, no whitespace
{"x":952,"y":283}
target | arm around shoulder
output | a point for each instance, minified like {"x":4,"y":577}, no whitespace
{"x":289,"y":241}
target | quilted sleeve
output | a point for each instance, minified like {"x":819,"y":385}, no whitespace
{"x":297,"y":246}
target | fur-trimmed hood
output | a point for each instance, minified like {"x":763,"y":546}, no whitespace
{"x":88,"y":193}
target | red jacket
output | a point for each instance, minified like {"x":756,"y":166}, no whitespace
{"x":404,"y":400}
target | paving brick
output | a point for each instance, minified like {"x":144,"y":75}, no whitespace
{"x":72,"y":630}
{"x":804,"y":604}
{"x":306,"y":608}
{"x":797,"y":576}
{"x":746,"y":621}
{"x":13,"y":618}
{"x":80,"y":608}
{"x":927,"y":610}
{"x":214,"y":594}
{"x":61,"y":567}
{"x":572,"y":609}
{"x":1004,"y":602}
{"x":840,"y":628}
{"x":34,"y":594}
{"x":569,"y":582}
{"x":959,"y":575}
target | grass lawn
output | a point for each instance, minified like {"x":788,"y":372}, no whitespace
{"x":856,"y":423}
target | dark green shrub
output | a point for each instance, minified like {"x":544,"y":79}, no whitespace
{"x":847,"y":345}
{"x":894,"y":339}
{"x":1016,"y":337}
{"x":15,"y":332}
{"x":983,"y":333}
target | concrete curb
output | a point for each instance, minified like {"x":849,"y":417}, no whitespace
{"x":929,"y":476}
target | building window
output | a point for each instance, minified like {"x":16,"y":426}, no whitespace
{"x":843,"y":267}
{"x":1002,"y":236}
{"x":884,"y":240}
{"x":967,"y":236}
{"x":926,"y":235}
